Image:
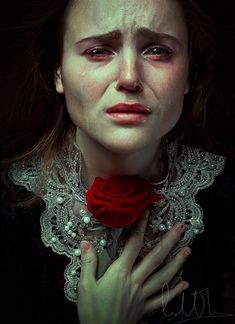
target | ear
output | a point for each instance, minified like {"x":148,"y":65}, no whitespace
{"x":58,"y":80}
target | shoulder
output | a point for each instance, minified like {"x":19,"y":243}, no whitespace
{"x":37,"y":270}
{"x":216,"y":171}
{"x":210,"y":267}
{"x":201,"y":160}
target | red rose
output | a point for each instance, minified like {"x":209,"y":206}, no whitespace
{"x":120,"y":201}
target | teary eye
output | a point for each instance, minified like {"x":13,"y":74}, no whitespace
{"x":160,"y":52}
{"x":97,"y":52}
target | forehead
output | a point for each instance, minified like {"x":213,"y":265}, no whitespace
{"x":86,"y":17}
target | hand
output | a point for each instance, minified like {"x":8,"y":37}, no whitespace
{"x":120,"y":295}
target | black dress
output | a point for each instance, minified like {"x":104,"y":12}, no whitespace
{"x":32,"y":279}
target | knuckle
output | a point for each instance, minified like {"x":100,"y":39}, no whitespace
{"x":158,"y":257}
{"x":86,"y":260}
{"x":176,"y":232}
{"x":170,"y":239}
{"x":137,"y":240}
{"x":137,"y":288}
{"x":162,"y":248}
{"x":121,"y":274}
{"x":175,"y":236}
{"x":118,"y":270}
{"x":137,"y":245}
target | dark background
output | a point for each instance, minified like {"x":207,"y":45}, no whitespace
{"x":16,"y":28}
{"x":16,"y":23}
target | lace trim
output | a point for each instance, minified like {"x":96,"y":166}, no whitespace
{"x":63,"y":228}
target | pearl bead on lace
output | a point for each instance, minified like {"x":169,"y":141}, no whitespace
{"x":85,"y":216}
{"x":59,"y":200}
{"x":188,"y":172}
{"x":103,"y":242}
{"x":161,"y":227}
{"x":73,"y":272}
{"x":77,"y":252}
{"x":169,"y":225}
{"x":86,"y":219}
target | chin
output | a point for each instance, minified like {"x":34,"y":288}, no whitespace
{"x":125,"y":147}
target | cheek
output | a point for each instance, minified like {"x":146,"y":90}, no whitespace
{"x":169,"y":112}
{"x":172,"y":99}
{"x":170,"y":84}
{"x":84,"y":88}
{"x":79,"y":88}
{"x":169,"y":92}
{"x":174,"y":79}
{"x":81,"y":94}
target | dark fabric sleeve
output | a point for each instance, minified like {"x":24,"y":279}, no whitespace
{"x":33,"y":284}
{"x":213,"y":266}
{"x":210,"y":269}
{"x":32,"y":289}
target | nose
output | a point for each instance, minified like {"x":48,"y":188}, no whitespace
{"x":129,"y":78}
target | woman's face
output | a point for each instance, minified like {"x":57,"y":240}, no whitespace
{"x":147,"y":45}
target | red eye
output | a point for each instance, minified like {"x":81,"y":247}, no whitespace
{"x":160,"y":52}
{"x":98,"y":52}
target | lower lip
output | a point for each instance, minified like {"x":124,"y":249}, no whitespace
{"x":127,"y":118}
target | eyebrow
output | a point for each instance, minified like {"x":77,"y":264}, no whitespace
{"x":116,"y":34}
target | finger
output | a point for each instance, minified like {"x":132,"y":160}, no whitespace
{"x":161,"y":301}
{"x":165,"y":275}
{"x":88,"y":262}
{"x":157,"y":255}
{"x":134,"y":243}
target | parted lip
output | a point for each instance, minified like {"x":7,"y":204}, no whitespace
{"x":129,"y":108}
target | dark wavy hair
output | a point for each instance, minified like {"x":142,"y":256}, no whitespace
{"x":38,"y":124}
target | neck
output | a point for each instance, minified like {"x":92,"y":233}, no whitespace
{"x":97,"y":161}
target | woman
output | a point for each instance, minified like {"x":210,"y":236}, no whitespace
{"x":116,"y":86}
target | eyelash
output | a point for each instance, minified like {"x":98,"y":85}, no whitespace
{"x":167,"y":50}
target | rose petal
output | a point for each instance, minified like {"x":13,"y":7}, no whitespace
{"x":120,"y":201}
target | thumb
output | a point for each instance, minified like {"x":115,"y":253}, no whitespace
{"x":88,"y":261}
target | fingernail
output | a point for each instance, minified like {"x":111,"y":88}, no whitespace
{"x":187,"y":252}
{"x":180,"y":228}
{"x":85,"y":245}
{"x":185,"y":285}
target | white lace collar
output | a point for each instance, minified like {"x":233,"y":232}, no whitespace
{"x":64,"y":225}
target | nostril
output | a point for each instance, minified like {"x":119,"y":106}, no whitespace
{"x":137,"y":87}
{"x":133,"y":87}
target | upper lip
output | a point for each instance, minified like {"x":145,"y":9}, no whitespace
{"x":129,"y":108}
